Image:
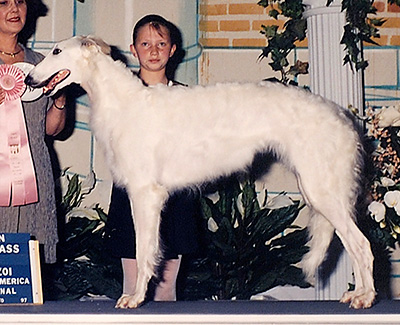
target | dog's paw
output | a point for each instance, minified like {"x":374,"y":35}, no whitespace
{"x":128,"y":301}
{"x":359,"y":299}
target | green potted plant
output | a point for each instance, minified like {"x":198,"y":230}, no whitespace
{"x":250,"y":246}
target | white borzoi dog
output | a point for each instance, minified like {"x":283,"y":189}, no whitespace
{"x":160,"y":139}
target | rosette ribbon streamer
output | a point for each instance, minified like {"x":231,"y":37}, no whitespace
{"x":17,"y":175}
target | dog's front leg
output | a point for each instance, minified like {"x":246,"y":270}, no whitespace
{"x":147,"y":204}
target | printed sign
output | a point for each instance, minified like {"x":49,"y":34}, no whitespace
{"x":20,"y":280}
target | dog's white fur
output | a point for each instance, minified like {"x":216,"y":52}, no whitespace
{"x":160,"y":139}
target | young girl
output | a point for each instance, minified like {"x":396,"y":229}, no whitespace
{"x":154,"y":43}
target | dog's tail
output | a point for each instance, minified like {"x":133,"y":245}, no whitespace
{"x":320,"y":233}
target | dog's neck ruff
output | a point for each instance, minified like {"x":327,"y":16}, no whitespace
{"x":98,"y":77}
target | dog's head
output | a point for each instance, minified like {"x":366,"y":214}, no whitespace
{"x":65,"y":63}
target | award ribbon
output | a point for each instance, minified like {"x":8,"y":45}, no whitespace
{"x":17,"y":174}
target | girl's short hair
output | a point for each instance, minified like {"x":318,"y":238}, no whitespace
{"x":156,"y":21}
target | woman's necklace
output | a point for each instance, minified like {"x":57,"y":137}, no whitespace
{"x":13,"y":54}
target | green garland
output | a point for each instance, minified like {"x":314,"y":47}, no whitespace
{"x":281,"y":43}
{"x":359,"y":28}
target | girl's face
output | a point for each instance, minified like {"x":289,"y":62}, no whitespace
{"x":153,"y":48}
{"x":12,"y":16}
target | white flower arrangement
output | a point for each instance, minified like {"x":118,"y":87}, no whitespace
{"x":384,"y":208}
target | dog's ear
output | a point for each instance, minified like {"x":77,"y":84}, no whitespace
{"x":92,"y":42}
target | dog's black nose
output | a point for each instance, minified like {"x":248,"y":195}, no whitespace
{"x":28,"y":80}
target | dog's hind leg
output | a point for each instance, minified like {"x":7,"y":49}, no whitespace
{"x":355,"y":244}
{"x":359,"y":250}
{"x":147,"y":204}
{"x":334,"y":199}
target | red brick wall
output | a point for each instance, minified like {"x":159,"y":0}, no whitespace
{"x":237,"y":23}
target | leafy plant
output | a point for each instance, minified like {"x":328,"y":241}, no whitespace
{"x":282,"y":43}
{"x":359,"y":28}
{"x":249,"y":249}
{"x":86,"y":268}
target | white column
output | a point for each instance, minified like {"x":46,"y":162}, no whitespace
{"x":332,"y":80}
{"x":328,"y":76}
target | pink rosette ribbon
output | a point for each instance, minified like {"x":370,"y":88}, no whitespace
{"x":17,"y":174}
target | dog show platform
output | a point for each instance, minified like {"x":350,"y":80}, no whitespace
{"x":202,"y":312}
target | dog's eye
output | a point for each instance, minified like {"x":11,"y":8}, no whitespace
{"x":56,"y":51}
